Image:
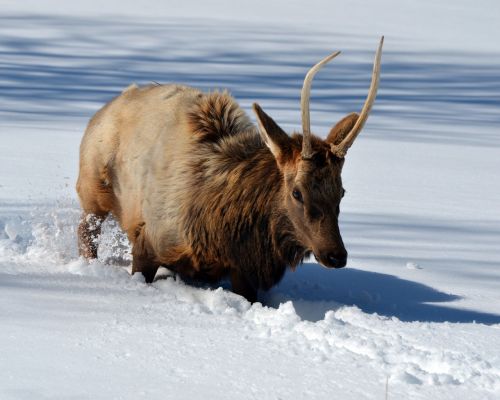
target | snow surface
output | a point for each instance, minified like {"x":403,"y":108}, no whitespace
{"x":416,"y":309}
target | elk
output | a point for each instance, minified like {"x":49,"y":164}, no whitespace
{"x":201,"y":190}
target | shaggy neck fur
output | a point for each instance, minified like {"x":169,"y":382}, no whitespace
{"x":240,"y":219}
{"x":235,"y":215}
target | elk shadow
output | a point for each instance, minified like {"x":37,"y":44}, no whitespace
{"x":315,"y":290}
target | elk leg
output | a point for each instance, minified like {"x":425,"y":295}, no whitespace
{"x":88,"y":231}
{"x":143,"y":259}
{"x":242,"y":287}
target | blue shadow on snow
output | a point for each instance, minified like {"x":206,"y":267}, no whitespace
{"x":315,"y":290}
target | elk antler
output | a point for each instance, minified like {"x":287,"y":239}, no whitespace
{"x":341,"y":149}
{"x":304,"y":105}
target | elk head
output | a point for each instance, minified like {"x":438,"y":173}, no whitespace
{"x":311,"y":170}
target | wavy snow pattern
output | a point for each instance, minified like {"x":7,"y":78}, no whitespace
{"x":74,"y":65}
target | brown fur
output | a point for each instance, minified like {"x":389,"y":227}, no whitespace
{"x":217,"y":115}
{"x":197,"y":189}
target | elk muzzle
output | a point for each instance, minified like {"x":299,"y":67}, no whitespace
{"x":332,"y":258}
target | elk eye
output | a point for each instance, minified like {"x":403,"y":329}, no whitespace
{"x":297,"y":195}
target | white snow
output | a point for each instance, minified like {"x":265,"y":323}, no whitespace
{"x":418,"y":304}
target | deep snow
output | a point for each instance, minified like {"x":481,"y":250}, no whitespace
{"x":418,"y":303}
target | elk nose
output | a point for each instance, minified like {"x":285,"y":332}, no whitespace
{"x":337,"y":260}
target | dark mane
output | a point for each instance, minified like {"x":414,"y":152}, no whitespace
{"x":240,"y":207}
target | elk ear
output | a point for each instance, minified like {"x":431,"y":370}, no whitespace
{"x":273,"y":136}
{"x":341,"y":129}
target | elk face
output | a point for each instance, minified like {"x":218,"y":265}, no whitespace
{"x":311,"y":169}
{"x":313,"y":192}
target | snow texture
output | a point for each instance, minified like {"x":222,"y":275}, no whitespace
{"x":416,"y":308}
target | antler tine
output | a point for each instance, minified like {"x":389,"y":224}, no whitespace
{"x":341,"y":149}
{"x":304,"y":105}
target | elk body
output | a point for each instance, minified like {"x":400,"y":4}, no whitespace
{"x":201,"y":190}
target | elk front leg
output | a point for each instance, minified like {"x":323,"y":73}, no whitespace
{"x":89,"y":230}
{"x":242,"y":286}
{"x":143,"y":258}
